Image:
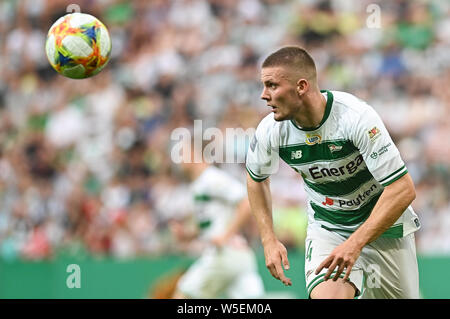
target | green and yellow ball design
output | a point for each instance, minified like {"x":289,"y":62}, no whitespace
{"x":78,"y":45}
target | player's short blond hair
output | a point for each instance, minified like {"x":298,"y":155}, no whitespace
{"x":295,"y":59}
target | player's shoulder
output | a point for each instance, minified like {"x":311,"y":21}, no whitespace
{"x":349,"y":103}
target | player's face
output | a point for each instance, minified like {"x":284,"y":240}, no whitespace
{"x":279,"y":92}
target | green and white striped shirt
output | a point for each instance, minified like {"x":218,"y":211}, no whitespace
{"x":345,"y":163}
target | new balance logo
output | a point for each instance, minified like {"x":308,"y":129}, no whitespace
{"x":296,"y":154}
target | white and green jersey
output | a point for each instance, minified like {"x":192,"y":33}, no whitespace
{"x":216,"y":195}
{"x":345,"y":163}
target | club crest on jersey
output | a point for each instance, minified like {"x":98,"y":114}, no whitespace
{"x":334,"y":148}
{"x":313,"y":139}
{"x":374,"y":133}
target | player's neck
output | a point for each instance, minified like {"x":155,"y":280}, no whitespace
{"x":312,"y":111}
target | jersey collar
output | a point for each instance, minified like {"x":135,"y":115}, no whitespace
{"x":325,"y":116}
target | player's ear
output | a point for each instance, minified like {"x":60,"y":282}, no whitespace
{"x":302,"y":86}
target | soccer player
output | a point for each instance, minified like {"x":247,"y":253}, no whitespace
{"x":227,"y":267}
{"x":360,"y":235}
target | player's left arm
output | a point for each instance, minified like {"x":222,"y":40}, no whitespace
{"x":384,"y":162}
{"x":390,"y":206}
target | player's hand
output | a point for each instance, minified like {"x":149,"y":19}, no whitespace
{"x":276,"y":259}
{"x":343,"y":256}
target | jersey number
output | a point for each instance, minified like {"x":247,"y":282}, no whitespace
{"x":309,"y":251}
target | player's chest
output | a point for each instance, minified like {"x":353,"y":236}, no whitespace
{"x":302,"y":147}
{"x":319,"y":155}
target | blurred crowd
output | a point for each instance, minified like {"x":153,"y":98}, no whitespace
{"x":85,"y":165}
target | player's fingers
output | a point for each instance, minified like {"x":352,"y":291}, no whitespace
{"x":281,"y":276}
{"x":330,"y":270}
{"x":284,"y":260}
{"x":287,"y":281}
{"x":339,"y":271}
{"x":325,"y":264}
{"x":347,"y":271}
{"x":279,"y":271}
{"x":272,"y":270}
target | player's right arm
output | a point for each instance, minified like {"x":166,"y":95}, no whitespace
{"x":261,"y":162}
{"x":261,"y":206}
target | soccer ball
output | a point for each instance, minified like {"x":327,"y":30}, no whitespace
{"x":78,"y":45}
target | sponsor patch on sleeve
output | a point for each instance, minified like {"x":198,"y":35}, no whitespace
{"x":374,"y":133}
{"x":381,"y":151}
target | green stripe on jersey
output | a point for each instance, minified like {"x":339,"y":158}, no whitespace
{"x":396,"y":178}
{"x":395,"y":231}
{"x":396,"y":172}
{"x":345,"y":217}
{"x":343,"y":187}
{"x":253,"y":176}
{"x":202,"y":198}
{"x":204,"y":224}
{"x":325,"y":151}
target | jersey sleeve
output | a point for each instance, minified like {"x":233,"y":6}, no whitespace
{"x":262,"y":156}
{"x":375,"y":144}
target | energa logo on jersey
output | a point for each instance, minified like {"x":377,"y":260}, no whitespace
{"x":313,"y":139}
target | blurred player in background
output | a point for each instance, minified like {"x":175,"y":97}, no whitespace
{"x":227,"y":267}
{"x":360,"y":223}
